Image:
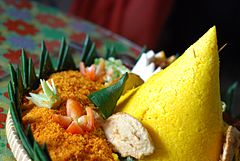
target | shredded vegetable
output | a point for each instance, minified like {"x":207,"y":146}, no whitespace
{"x":49,"y":98}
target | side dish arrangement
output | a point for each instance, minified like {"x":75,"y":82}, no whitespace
{"x":163,"y":109}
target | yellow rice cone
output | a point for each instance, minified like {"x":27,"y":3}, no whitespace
{"x":180,"y":106}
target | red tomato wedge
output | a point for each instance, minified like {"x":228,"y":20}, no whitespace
{"x":74,"y":128}
{"x":90,"y":115}
{"x":74,"y":109}
{"x":63,"y":121}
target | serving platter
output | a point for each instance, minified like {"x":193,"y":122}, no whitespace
{"x":15,"y":142}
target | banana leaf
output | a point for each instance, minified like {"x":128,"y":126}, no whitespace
{"x":46,"y":67}
{"x":61,"y":53}
{"x":106,"y":98}
{"x":24,"y":64}
{"x":40,"y":153}
{"x":32,"y":78}
{"x":67,"y":61}
{"x":88,"y":52}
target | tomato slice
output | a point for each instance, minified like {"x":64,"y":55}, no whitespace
{"x":63,"y":121}
{"x":74,"y":128}
{"x":74,"y":109}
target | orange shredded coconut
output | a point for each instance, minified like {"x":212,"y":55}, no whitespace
{"x":72,"y":84}
{"x":61,"y":145}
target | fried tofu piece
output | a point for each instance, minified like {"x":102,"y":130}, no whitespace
{"x":128,"y":136}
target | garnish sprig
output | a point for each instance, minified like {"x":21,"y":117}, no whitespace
{"x":49,"y":98}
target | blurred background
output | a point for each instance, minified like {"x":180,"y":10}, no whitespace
{"x":169,"y":25}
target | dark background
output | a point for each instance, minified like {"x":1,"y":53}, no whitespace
{"x":190,"y":19}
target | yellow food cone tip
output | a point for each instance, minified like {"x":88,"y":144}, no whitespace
{"x":180,"y":106}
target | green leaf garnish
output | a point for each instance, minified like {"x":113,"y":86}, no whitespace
{"x":16,"y":91}
{"x":49,"y":98}
{"x":45,"y":152}
{"x":106,"y":98}
{"x":20,"y":86}
{"x":30,"y":134}
{"x":20,"y":132}
{"x":13,"y":75}
{"x":13,"y":100}
{"x":39,"y":152}
{"x":46,"y":68}
{"x":65,"y":60}
{"x":61,"y":53}
{"x":32,"y":78}
{"x":24,"y":63}
{"x":86,"y":47}
{"x":42,"y":57}
{"x":89,"y":52}
{"x":91,"y":55}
